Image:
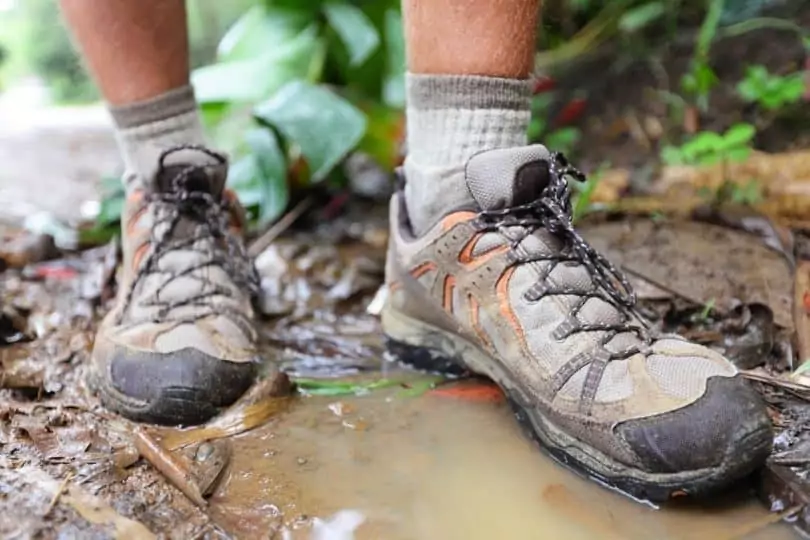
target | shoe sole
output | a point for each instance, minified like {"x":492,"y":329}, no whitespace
{"x":429,"y":348}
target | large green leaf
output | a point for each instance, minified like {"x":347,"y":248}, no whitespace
{"x":272,"y":167}
{"x":325,"y":126}
{"x":244,"y":179}
{"x":254,"y":79}
{"x":394,"y":87}
{"x":260,"y":176}
{"x":260,"y":30}
{"x":355,"y":30}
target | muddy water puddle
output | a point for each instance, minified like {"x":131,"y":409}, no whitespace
{"x":437,"y":467}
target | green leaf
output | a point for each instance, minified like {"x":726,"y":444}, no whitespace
{"x":748,"y":90}
{"x":112,"y":201}
{"x":636,"y":18}
{"x":738,"y":154}
{"x":394,"y":86}
{"x":272,"y":167}
{"x":261,"y":29}
{"x":709,"y":28}
{"x":672,"y":155}
{"x":213,"y":113}
{"x":738,"y":134}
{"x":355,"y":30}
{"x":110,"y":209}
{"x":243,"y":178}
{"x":564,"y":139}
{"x":254,"y":79}
{"x":384,"y":131}
{"x":325,"y":126}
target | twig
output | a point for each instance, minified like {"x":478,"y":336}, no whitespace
{"x":58,"y":493}
{"x":264,"y":241}
{"x":799,"y":390}
{"x":169,"y":466}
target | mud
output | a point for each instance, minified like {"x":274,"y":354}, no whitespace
{"x":364,"y":448}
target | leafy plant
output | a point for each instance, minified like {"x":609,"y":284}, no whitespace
{"x":701,"y":79}
{"x":562,"y":140}
{"x":297,"y":87}
{"x":708,"y":147}
{"x":583,"y":193}
{"x":771,"y":91}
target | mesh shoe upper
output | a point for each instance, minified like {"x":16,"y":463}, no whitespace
{"x":186,"y":279}
{"x":511,"y":275}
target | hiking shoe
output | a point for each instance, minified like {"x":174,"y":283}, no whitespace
{"x":506,"y":288}
{"x":179,"y":343}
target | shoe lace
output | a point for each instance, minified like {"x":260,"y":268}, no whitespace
{"x":553,"y":212}
{"x":210,"y":216}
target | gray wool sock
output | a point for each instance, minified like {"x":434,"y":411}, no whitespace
{"x":450,"y":118}
{"x":146,"y":128}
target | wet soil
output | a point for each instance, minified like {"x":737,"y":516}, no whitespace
{"x":385,"y":453}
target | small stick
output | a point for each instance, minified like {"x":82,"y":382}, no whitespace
{"x":58,"y":493}
{"x":169,"y":466}
{"x":264,"y":241}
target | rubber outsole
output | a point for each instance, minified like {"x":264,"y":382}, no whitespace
{"x":636,"y":483}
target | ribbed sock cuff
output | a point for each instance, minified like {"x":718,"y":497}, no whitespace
{"x":452,"y":117}
{"x":146,"y":129}
{"x":467,"y":92}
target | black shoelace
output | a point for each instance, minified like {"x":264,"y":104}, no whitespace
{"x":210,"y":217}
{"x":553,"y":212}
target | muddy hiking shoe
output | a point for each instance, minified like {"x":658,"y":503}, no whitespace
{"x":179,"y":343}
{"x":508,"y":289}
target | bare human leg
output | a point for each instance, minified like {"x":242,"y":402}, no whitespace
{"x":179,"y":343}
{"x":469,"y":37}
{"x":136,"y":50}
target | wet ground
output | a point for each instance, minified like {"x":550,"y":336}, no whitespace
{"x":365,"y":448}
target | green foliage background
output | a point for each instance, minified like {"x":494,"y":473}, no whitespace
{"x":289,"y":88}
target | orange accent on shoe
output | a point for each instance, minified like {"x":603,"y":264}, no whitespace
{"x":502,"y":287}
{"x":423,"y":269}
{"x":449,"y":287}
{"x":394,"y":286}
{"x":132,"y":222}
{"x":475,"y":321}
{"x":470,"y":261}
{"x":135,"y":196}
{"x":450,"y":221}
{"x":138,"y":255}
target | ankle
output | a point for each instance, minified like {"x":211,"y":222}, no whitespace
{"x":450,"y":119}
{"x":146,"y":129}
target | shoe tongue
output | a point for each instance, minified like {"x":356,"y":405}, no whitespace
{"x":507,"y":177}
{"x":204,"y":172}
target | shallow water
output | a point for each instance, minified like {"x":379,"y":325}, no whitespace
{"x":435,"y":467}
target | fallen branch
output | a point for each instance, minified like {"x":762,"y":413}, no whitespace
{"x":169,"y":466}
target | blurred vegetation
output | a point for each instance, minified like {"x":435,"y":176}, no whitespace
{"x":35,"y":42}
{"x":290,"y":88}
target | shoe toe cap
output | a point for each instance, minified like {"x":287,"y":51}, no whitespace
{"x":187,"y":386}
{"x":727,"y":429}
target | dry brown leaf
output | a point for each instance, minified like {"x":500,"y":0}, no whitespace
{"x":92,"y":508}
